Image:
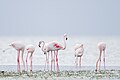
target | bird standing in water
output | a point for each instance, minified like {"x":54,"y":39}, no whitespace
{"x":79,"y":50}
{"x":20,"y":47}
{"x":54,"y":46}
{"x":102,"y":47}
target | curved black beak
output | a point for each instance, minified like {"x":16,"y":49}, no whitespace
{"x":44,"y":53}
{"x":66,"y":38}
{"x":39,"y":45}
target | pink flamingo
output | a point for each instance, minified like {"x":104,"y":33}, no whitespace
{"x":19,"y":47}
{"x":30,"y":50}
{"x":102,"y":47}
{"x":47,"y":51}
{"x":54,"y":46}
{"x":78,"y":53}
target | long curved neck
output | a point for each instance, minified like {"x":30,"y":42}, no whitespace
{"x":43,"y":46}
{"x":64,"y":40}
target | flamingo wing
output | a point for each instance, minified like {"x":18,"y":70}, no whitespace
{"x":57,"y":45}
{"x":54,"y":46}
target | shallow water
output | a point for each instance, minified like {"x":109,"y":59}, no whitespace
{"x":72,"y":75}
{"x":62,"y":68}
{"x":8,"y":72}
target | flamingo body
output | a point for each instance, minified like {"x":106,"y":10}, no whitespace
{"x":30,"y":48}
{"x":102,"y":47}
{"x":19,"y":46}
{"x":77,"y":46}
{"x":79,"y":50}
{"x":54,"y":46}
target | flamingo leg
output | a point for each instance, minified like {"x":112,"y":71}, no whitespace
{"x":104,"y":59}
{"x":30,"y":62}
{"x":80,"y":62}
{"x":18,"y":60}
{"x":57,"y":61}
{"x":45,"y":63}
{"x":99,"y":59}
{"x":51,"y":60}
{"x":23,"y":60}
{"x":27,"y":62}
{"x":48,"y":62}
{"x":54,"y":60}
{"x":99,"y":63}
{"x":76,"y":61}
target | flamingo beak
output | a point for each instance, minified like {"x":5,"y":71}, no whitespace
{"x":3,"y":50}
{"x":44,"y":53}
{"x":39,"y":46}
{"x":66,"y":38}
{"x":10,"y":44}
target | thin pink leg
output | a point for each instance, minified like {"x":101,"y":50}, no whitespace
{"x":54,"y":60}
{"x":57,"y":61}
{"x":18,"y":60}
{"x":99,"y":59}
{"x":99,"y":63}
{"x":23,"y":60}
{"x":51,"y":60}
{"x":76,"y":61}
{"x":104,"y":59}
{"x":45,"y":63}
{"x":31,"y":62}
{"x":27,"y":62}
{"x":80,"y":62}
{"x":48,"y":62}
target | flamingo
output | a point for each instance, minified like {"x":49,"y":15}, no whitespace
{"x":54,"y":46}
{"x":20,"y":47}
{"x":46,"y":51}
{"x":102,"y":47}
{"x":30,"y":50}
{"x":78,"y":53}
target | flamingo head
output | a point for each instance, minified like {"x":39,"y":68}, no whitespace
{"x":81,"y":45}
{"x":12,"y":45}
{"x":65,"y":37}
{"x":40,"y":44}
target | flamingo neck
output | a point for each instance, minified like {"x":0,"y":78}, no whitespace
{"x":64,"y":43}
{"x":43,"y":46}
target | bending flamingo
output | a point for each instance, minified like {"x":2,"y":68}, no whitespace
{"x":20,"y":47}
{"x":102,"y":47}
{"x":79,"y":50}
{"x":30,"y":50}
{"x":54,"y":46}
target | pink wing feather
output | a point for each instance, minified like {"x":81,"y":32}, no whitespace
{"x":57,"y":46}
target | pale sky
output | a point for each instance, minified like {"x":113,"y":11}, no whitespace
{"x":56,"y":17}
